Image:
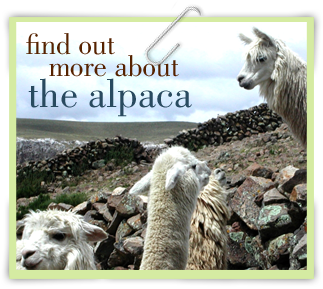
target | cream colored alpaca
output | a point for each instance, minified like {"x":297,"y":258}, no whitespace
{"x":174,"y":183}
{"x":282,"y":79}
{"x":208,"y":237}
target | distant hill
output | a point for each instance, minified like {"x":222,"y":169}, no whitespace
{"x":84,"y":131}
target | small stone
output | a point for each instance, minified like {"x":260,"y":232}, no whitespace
{"x":116,"y":196}
{"x":116,"y":220}
{"x":168,"y":141}
{"x":298,"y":257}
{"x":92,"y":215}
{"x":135,"y":245}
{"x":278,"y":249}
{"x":116,"y":259}
{"x":258,"y":171}
{"x":300,"y":177}
{"x":135,"y":222}
{"x":285,"y":174}
{"x":300,"y":248}
{"x":123,"y":230}
{"x":82,"y":208}
{"x":273,"y":196}
{"x":127,"y":207}
{"x":299,"y":194}
{"x":60,"y":206}
{"x":142,"y":203}
{"x":237,"y":180}
{"x":98,"y":206}
{"x":103,"y":209}
{"x":104,"y":248}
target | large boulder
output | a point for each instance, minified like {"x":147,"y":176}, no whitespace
{"x":277,"y":219}
{"x":243,"y":201}
{"x":240,"y":251}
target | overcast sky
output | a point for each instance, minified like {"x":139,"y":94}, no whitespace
{"x":208,"y":61}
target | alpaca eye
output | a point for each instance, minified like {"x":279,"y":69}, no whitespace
{"x":261,"y":58}
{"x":59,"y":236}
{"x":193,"y":167}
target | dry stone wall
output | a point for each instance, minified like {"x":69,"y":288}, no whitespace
{"x":95,"y":154}
{"x":230,"y":127}
{"x":92,"y":155}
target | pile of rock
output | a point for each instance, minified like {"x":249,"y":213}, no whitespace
{"x":92,"y":155}
{"x":267,"y":229}
{"x":230,"y":127}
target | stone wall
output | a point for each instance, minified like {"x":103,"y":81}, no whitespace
{"x":230,"y":127}
{"x":92,"y":155}
{"x":95,"y":154}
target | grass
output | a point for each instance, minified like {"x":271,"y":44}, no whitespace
{"x":85,"y":131}
{"x":29,"y":182}
{"x":43,"y":200}
{"x":122,"y":155}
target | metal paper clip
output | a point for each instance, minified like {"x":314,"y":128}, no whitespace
{"x":164,"y":33}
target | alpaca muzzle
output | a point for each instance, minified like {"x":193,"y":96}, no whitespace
{"x":31,"y":259}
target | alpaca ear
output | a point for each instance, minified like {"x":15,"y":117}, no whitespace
{"x":173,"y":175}
{"x":244,"y":39}
{"x":141,"y":186}
{"x":94,"y":233}
{"x":269,"y":41}
{"x":20,"y":225}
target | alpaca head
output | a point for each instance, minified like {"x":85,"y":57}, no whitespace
{"x":57,"y":240}
{"x":260,"y":60}
{"x":179,"y":163}
{"x":220,"y":176}
{"x":182,"y":164}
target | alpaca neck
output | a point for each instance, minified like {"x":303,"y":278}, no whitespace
{"x":167,"y":237}
{"x":286,"y":91}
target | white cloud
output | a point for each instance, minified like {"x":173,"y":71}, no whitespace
{"x":200,"y":115}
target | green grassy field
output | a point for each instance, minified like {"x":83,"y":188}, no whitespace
{"x":85,"y":131}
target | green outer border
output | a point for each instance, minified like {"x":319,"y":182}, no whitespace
{"x":228,"y":274}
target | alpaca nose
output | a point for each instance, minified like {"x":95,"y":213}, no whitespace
{"x":27,"y":253}
{"x":240,"y":78}
{"x":31,"y":259}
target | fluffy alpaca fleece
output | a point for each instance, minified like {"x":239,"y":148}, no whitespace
{"x":282,"y":79}
{"x":208,"y":237}
{"x":174,"y":183}
{"x":19,"y":248}
{"x":57,"y":240}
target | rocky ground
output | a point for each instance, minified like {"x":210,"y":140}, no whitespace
{"x":266,"y":185}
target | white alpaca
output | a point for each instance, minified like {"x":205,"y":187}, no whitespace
{"x":174,"y":183}
{"x":57,"y":240}
{"x":281,"y":76}
{"x":208,"y":237}
{"x":19,"y":248}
